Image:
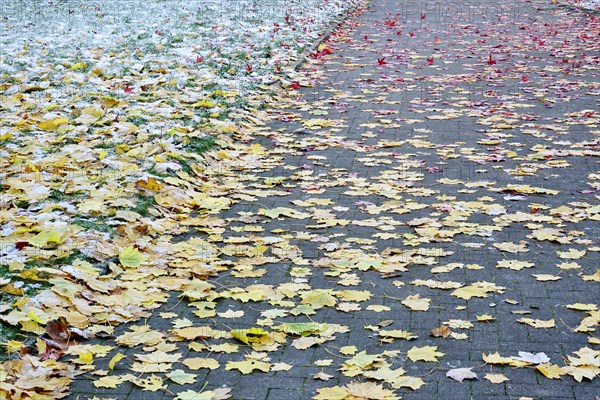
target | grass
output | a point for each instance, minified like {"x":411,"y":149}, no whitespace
{"x":144,"y":204}
{"x":96,"y":225}
{"x":200,"y":145}
{"x":137,"y":121}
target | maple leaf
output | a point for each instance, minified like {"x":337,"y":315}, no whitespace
{"x":460,"y":374}
{"x":370,"y":391}
{"x":319,"y":298}
{"x":425,"y":353}
{"x":331,"y":393}
{"x":538,"y":323}
{"x":396,"y":334}
{"x":131,"y":257}
{"x":322,"y":376}
{"x":247,"y":336}
{"x":407,"y":381}
{"x":496,"y":378}
{"x":181,"y":377}
{"x":200,"y":362}
{"x":246,"y":367}
{"x":416,"y":303}
{"x":109,"y":382}
{"x":551,"y":371}
{"x":442,"y":331}
{"x":467,"y":292}
{"x":216,"y":394}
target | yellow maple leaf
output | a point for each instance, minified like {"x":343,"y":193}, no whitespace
{"x":42,"y":239}
{"x":109,"y":382}
{"x":467,"y":292}
{"x":425,"y":353}
{"x":551,"y":371}
{"x":246,"y":367}
{"x":247,"y":336}
{"x":496,"y":378}
{"x":416,"y":303}
{"x":131,"y":257}
{"x":538,"y":323}
{"x":53,"y":124}
{"x":181,"y":377}
{"x":200,"y":362}
{"x":319,"y":298}
{"x":408,"y":381}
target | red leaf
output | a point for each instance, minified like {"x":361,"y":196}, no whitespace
{"x":491,"y":61}
{"x":199,"y":59}
{"x":21,"y":245}
{"x":381,"y":61}
{"x":295,"y":85}
{"x":248,"y":68}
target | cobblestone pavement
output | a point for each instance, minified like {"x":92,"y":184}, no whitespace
{"x":437,"y":110}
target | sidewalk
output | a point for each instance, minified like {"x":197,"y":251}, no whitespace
{"x":439,"y":178}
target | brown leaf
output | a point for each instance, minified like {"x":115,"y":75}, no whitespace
{"x":442,"y":331}
{"x":59,"y":334}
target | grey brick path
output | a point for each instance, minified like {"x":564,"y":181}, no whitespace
{"x":400,"y":101}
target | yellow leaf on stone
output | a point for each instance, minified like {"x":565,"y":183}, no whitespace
{"x":469,"y":291}
{"x":200,"y":362}
{"x":572,"y":254}
{"x":322,"y":376}
{"x":407,"y":381}
{"x":109,"y":382}
{"x":319,"y":298}
{"x":231,"y":314}
{"x":331,"y":393}
{"x":496,"y":378}
{"x":585,"y":371}
{"x":571,"y":265}
{"x":86,"y":358}
{"x":425,"y":353}
{"x":538,"y":323}
{"x":113,"y":361}
{"x":378,"y":308}
{"x":593,"y":277}
{"x":496,"y":359}
{"x":514,"y":264}
{"x":217,"y":394}
{"x":281,"y":366}
{"x":348,"y":350}
{"x":582,"y":307}
{"x":369,"y":390}
{"x":246,"y":367}
{"x":416,"y":303}
{"x":247,"y":336}
{"x":546,"y":277}
{"x":181,"y":377}
{"x":397,"y":334}
{"x":551,"y":371}
{"x":131,"y":257}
